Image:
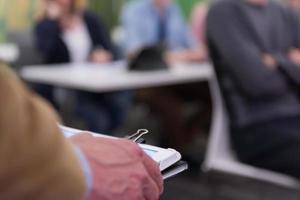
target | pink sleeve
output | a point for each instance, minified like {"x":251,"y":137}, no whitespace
{"x":198,"y":21}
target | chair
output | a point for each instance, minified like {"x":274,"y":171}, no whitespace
{"x":28,"y":54}
{"x":220,"y":156}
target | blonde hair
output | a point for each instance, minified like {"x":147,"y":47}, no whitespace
{"x":79,"y":5}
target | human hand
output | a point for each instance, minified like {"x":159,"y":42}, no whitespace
{"x":269,"y":61}
{"x":121,"y":170}
{"x":193,"y":55}
{"x":294,"y":55}
{"x":175,"y":57}
{"x":100,"y":56}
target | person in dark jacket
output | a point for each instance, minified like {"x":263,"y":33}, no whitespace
{"x":68,"y":33}
{"x":255,"y":47}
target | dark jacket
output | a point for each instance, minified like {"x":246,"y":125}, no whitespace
{"x":253,"y":93}
{"x":52,"y":47}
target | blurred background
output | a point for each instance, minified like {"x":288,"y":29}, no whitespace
{"x":21,"y":15}
{"x":179,"y":102}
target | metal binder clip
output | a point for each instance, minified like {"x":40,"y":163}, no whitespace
{"x":136,"y":137}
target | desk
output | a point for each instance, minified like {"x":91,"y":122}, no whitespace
{"x":113,"y":76}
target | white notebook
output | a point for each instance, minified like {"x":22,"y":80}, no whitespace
{"x":168,"y":159}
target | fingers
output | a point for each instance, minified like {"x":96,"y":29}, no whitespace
{"x":152,"y":177}
{"x":130,"y":147}
{"x":150,"y":165}
{"x":269,"y":61}
{"x":125,"y":160}
{"x":145,"y":183}
{"x":294,"y":55}
{"x":100,"y":56}
{"x":153,"y":169}
{"x":150,"y":190}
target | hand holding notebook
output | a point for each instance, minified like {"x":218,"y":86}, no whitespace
{"x":168,"y":159}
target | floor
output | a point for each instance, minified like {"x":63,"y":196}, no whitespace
{"x":223,"y":187}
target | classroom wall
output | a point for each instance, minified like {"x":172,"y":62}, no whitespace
{"x":16,"y":14}
{"x":110,"y":10}
{"x":20,"y":14}
{"x":187,"y":5}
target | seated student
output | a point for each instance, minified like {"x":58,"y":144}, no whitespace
{"x":160,"y":22}
{"x":68,"y":33}
{"x":149,"y":22}
{"x":255,"y":46}
{"x":38,"y":163}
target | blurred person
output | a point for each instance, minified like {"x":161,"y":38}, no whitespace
{"x":160,"y":22}
{"x":198,"y":19}
{"x":69,"y":33}
{"x":150,"y":22}
{"x":37,"y":162}
{"x":255,"y":47}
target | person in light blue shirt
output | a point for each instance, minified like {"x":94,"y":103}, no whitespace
{"x":147,"y":23}
{"x":151,"y":22}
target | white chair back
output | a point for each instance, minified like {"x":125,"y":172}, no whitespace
{"x":221,"y":158}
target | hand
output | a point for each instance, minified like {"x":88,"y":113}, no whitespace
{"x":121,"y":170}
{"x":175,"y":57}
{"x":100,"y":56}
{"x":269,"y":61}
{"x":294,"y":55}
{"x":193,"y":55}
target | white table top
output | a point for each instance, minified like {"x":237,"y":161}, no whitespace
{"x":113,"y":76}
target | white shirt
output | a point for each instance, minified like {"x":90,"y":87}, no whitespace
{"x":78,"y":42}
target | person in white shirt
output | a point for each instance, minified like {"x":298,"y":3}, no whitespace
{"x":69,"y":33}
